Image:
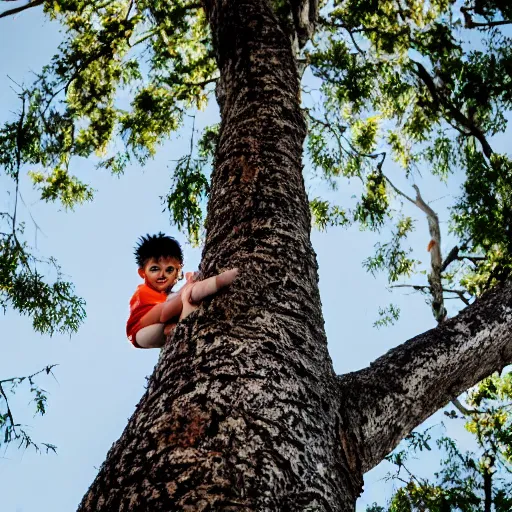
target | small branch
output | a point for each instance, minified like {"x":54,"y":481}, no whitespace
{"x":440,"y":98}
{"x":434,"y":247}
{"x":144,"y":37}
{"x":19,"y":143}
{"x":469,"y":23}
{"x":357,"y":47}
{"x":487,"y":476}
{"x":473,"y":259}
{"x":9,"y":413}
{"x":420,"y":287}
{"x":398,"y":191}
{"x":462,"y":409}
{"x":11,"y":430}
{"x":459,"y":293}
{"x":48,"y":369}
{"x":203,"y":83}
{"x":453,"y":255}
{"x":16,"y":10}
{"x":463,"y":298}
{"x":336,"y":132}
{"x":129,"y":10}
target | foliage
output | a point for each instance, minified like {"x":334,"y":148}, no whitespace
{"x":429,"y":84}
{"x":190,"y":187}
{"x":52,"y":306}
{"x":10,"y":431}
{"x":465,"y":481}
{"x":158,"y":56}
{"x":387,"y":316}
{"x":405,"y":79}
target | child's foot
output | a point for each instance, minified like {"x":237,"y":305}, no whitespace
{"x":212,"y":285}
{"x":195,"y":291}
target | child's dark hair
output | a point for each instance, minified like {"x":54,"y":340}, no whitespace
{"x":157,"y":246}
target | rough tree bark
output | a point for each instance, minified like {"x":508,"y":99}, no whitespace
{"x":244,"y":411}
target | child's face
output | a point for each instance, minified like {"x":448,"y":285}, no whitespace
{"x":160,"y":274}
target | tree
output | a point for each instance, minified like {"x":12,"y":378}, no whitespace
{"x":244,"y":410}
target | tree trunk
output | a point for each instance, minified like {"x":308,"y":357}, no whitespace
{"x":243,"y":411}
{"x":240,"y":413}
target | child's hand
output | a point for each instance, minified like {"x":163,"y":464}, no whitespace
{"x":186,"y":298}
{"x":191,"y":276}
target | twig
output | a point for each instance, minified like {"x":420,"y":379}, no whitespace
{"x":420,"y":287}
{"x":9,"y":413}
{"x":48,"y":369}
{"x":469,"y":23}
{"x":459,"y":293}
{"x":453,"y":255}
{"x":398,"y":191}
{"x":19,"y":136}
{"x":16,"y":10}
{"x":464,"y":410}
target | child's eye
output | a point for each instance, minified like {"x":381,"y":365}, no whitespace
{"x":153,"y":269}
{"x":170,"y":269}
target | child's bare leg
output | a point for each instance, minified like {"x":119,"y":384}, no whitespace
{"x":194,"y":292}
{"x":202,"y":289}
{"x":151,"y":336}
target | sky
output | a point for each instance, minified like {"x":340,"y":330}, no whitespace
{"x":100,"y":377}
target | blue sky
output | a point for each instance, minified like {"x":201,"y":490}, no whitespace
{"x":100,"y":377}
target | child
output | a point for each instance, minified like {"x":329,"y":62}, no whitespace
{"x":153,"y":314}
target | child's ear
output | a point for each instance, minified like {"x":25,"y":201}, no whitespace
{"x":142,"y":273}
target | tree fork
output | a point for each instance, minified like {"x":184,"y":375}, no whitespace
{"x":240,"y":413}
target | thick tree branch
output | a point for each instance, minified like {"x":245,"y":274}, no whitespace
{"x":454,"y":255}
{"x":16,"y":10}
{"x":387,"y":400}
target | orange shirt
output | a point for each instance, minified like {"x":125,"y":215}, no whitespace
{"x":141,"y":303}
